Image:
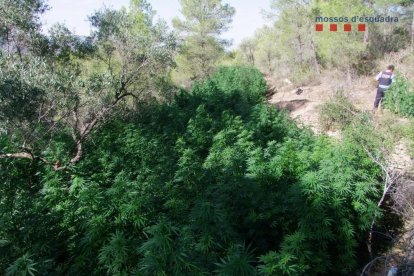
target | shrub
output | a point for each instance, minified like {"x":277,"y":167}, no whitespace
{"x":302,"y":76}
{"x":338,"y":112}
{"x":399,"y":98}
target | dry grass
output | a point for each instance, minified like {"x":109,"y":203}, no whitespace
{"x":403,"y":61}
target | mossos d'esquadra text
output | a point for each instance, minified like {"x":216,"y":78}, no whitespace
{"x":356,"y":19}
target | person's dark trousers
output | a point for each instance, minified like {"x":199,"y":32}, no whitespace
{"x":379,"y":97}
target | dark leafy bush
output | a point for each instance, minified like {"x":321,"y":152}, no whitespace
{"x":216,"y":182}
{"x":19,"y":101}
{"x":248,"y":81}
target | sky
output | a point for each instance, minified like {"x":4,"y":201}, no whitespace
{"x":74,"y":14}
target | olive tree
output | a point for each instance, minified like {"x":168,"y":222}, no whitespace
{"x":79,"y":82}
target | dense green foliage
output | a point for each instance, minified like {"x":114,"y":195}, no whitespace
{"x":107,"y":168}
{"x":217,"y":182}
{"x":399,"y":98}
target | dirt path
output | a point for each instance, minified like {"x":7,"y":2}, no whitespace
{"x":303,"y":104}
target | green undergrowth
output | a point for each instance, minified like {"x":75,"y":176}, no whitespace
{"x":216,"y":182}
{"x":399,"y":98}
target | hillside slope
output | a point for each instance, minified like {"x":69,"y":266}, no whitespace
{"x":303,"y":102}
{"x":303,"y":105}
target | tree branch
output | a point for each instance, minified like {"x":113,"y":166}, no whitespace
{"x":17,"y":155}
{"x":85,"y":130}
{"x":388,"y":183}
{"x":27,"y":155}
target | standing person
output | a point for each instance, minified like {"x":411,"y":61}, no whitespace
{"x":384,"y":79}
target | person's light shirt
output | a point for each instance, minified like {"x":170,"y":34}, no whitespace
{"x":379,"y":76}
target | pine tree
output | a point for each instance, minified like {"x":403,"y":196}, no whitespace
{"x":204,"y":22}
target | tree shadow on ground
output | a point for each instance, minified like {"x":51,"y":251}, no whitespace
{"x":292,"y":105}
